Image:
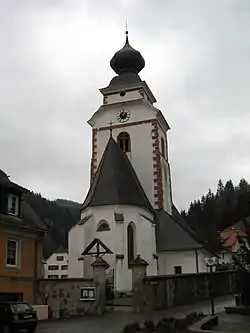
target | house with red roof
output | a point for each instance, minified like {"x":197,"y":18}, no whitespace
{"x":230,"y":241}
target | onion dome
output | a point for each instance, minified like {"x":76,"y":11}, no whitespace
{"x":127,"y":60}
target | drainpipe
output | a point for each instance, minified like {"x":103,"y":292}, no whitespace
{"x":196,"y":260}
{"x":35,"y":271}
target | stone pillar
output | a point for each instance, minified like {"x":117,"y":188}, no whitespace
{"x":99,"y":276}
{"x":139,"y":271}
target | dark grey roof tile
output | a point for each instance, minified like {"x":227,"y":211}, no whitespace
{"x":173,"y":234}
{"x":115,"y":181}
{"x":6,"y":182}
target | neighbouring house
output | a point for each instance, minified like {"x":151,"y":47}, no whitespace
{"x":230,"y":242}
{"x":129,"y":209}
{"x":21,"y":236}
{"x":56,"y":266}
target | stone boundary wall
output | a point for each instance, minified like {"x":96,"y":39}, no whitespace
{"x":161,"y":292}
{"x":63,"y":297}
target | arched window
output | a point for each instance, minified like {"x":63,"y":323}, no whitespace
{"x":103,"y":226}
{"x":163,"y":147}
{"x":123,"y":140}
{"x":131,"y":242}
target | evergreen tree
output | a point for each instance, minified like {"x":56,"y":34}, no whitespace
{"x":243,"y":186}
{"x":220,"y":189}
{"x":229,"y":193}
{"x":214,"y":212}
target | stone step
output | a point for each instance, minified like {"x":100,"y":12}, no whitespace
{"x":124,"y":304}
{"x":125,"y":301}
{"x":122,"y":308}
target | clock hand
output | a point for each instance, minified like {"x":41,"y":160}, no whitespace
{"x":123,"y":114}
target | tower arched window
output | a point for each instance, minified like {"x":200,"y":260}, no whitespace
{"x":131,"y":242}
{"x":124,"y":141}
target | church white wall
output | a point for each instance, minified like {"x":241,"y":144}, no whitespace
{"x":186,"y":259}
{"x":116,"y":240}
{"x":76,"y":245}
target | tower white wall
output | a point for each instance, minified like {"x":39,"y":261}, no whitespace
{"x":143,"y":146}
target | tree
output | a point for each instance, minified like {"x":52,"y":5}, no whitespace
{"x":220,"y":189}
{"x":243,"y":186}
{"x":58,"y":218}
{"x":229,"y":193}
{"x":214,"y":212}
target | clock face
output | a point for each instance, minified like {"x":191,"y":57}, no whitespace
{"x":123,"y":116}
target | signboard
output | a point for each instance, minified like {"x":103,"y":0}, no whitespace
{"x":87,"y":293}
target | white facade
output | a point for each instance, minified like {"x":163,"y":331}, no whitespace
{"x":189,"y":261}
{"x":116,"y":239}
{"x":226,"y":256}
{"x":56,"y":266}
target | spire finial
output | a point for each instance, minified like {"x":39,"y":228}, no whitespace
{"x":126,"y":32}
{"x":110,"y":128}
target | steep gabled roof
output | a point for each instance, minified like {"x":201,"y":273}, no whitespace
{"x":115,"y":181}
{"x":6,"y":182}
{"x":173,"y":234}
{"x":229,"y":238}
{"x":29,"y":219}
{"x":61,"y":249}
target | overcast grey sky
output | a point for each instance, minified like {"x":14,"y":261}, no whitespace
{"x":54,"y":56}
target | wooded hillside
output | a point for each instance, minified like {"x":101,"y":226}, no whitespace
{"x":216,"y":211}
{"x":59,"y":216}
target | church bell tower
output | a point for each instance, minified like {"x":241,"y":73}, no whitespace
{"x":137,"y":126}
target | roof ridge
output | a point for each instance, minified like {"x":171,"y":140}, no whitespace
{"x":172,"y":235}
{"x":185,"y":225}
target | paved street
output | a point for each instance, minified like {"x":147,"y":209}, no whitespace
{"x":114,"y":322}
{"x":233,"y":323}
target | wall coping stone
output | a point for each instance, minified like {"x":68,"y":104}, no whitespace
{"x":100,"y":262}
{"x":186,"y":275}
{"x":138,"y":261}
{"x":66,"y":280}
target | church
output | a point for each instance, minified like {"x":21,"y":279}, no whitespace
{"x":128,"y":210}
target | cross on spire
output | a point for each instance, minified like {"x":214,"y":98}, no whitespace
{"x":126,"y":31}
{"x":110,"y":127}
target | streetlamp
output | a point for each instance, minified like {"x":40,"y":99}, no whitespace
{"x":210,"y":263}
